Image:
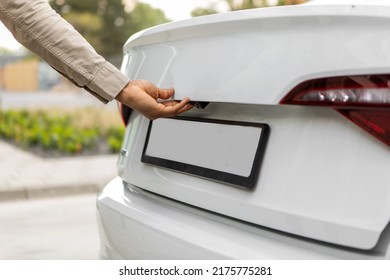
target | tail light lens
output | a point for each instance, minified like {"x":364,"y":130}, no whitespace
{"x":125,"y":112}
{"x":364,"y":99}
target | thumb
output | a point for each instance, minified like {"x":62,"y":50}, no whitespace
{"x":165,"y":93}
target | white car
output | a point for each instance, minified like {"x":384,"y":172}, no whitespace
{"x":287,"y":155}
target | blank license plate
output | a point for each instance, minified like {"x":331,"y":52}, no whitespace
{"x":225,"y":151}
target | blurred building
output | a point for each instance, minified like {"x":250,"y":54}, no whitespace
{"x":19,"y":74}
{"x":5,"y":60}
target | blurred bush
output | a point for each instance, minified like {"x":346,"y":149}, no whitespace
{"x":57,"y":134}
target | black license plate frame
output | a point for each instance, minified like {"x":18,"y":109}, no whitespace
{"x":214,"y":174}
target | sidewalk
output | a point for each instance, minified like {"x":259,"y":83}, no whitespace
{"x":24,"y":175}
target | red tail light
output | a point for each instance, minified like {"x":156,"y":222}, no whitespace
{"x":125,"y":112}
{"x":364,"y":99}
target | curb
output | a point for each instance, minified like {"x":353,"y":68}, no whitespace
{"x":25,"y":193}
{"x":25,"y":176}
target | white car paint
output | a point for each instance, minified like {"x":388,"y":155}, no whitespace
{"x":322,"y":178}
{"x":135,"y":224}
{"x":257,"y":56}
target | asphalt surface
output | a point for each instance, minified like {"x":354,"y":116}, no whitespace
{"x":56,"y":228}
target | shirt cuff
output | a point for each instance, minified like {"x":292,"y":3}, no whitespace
{"x":108,"y":82}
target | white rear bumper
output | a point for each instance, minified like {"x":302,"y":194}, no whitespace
{"x":134,"y":224}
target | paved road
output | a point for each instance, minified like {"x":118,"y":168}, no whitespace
{"x":55,"y":228}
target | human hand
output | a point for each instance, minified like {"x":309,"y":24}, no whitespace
{"x":142,"y":96}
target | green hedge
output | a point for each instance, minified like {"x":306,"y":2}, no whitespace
{"x":59,"y":134}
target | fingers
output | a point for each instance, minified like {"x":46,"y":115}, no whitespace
{"x":174,"y":108}
{"x":165,"y":93}
{"x":183,"y":106}
{"x":142,"y":96}
{"x":152,"y":90}
{"x":186,"y":108}
{"x":171,"y":108}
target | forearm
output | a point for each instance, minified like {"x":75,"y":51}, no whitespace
{"x":40,"y":29}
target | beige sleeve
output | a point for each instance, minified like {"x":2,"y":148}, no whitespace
{"x":40,"y":29}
